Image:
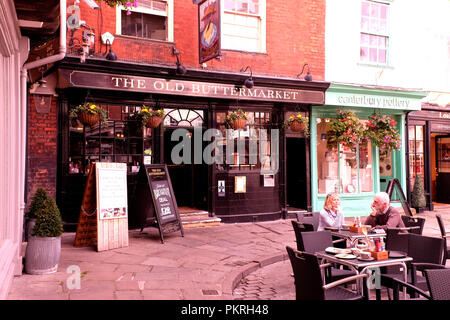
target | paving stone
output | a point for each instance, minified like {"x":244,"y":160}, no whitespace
{"x":129,"y":295}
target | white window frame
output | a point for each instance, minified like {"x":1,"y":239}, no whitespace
{"x":169,"y":15}
{"x":385,"y":34}
{"x":262,"y":17}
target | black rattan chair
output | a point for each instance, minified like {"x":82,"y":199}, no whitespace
{"x":438,"y":283}
{"x":312,"y":242}
{"x":308,"y":279}
{"x":410,"y":222}
{"x":445,"y":235}
{"x":426,"y":253}
{"x":298,"y":229}
{"x":397,"y":285}
{"x":310,"y":217}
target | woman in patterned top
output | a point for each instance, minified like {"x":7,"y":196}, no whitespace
{"x":331,"y":215}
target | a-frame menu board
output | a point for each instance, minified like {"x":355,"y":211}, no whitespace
{"x":103,"y":218}
{"x":394,"y":184}
{"x":154,"y":201}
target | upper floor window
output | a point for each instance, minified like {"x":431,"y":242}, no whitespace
{"x":244,"y":25}
{"x":152,"y":19}
{"x":374,"y":32}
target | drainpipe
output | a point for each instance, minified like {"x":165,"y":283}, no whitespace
{"x":23,"y":100}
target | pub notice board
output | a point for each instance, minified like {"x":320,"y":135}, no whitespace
{"x":103,"y":217}
{"x":154,"y":202}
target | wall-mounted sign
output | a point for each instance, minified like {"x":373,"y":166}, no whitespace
{"x":368,"y":97}
{"x":240,"y":184}
{"x":268,"y":180}
{"x":95,"y":80}
{"x":221,"y":188}
{"x":208,"y":30}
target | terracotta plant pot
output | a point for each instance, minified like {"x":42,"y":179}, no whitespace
{"x":153,"y":122}
{"x":88,"y":119}
{"x":297,"y":126}
{"x":238,"y":124}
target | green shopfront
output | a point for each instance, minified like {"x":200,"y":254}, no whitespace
{"x":357,"y":174}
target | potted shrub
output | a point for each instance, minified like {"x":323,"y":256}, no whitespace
{"x":346,"y":129}
{"x":44,"y":246}
{"x":237,"y":119}
{"x":382,"y":132}
{"x":418,"y":199}
{"x":88,"y":114}
{"x":148,"y":117}
{"x":36,"y":204}
{"x":298,"y":123}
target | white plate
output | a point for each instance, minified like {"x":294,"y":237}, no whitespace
{"x":366,"y":259}
{"x":345,"y":256}
{"x":334,"y":250}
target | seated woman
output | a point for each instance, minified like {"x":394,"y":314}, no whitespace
{"x":330,"y":215}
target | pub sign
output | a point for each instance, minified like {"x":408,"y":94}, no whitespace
{"x":209,"y":30}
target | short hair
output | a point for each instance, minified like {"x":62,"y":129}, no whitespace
{"x":383,"y":196}
{"x":328,"y":199}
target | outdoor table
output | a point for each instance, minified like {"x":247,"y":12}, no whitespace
{"x":353,"y":237}
{"x":359,"y":267}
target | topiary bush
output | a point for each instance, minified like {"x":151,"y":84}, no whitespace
{"x":418,"y":199}
{"x":38,"y":201}
{"x":48,"y":223}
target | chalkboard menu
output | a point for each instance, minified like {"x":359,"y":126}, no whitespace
{"x":154,"y":202}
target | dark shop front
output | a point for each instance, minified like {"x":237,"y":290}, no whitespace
{"x":429,"y":151}
{"x":236,"y":191}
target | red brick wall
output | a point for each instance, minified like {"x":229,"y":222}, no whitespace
{"x":295,"y":31}
{"x":41,"y":150}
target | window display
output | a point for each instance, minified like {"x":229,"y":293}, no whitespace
{"x":342,"y":169}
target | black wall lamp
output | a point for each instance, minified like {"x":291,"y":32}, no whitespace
{"x":42,"y":96}
{"x":248,"y":83}
{"x":111,"y":55}
{"x":308,"y":76}
{"x":181,"y":70}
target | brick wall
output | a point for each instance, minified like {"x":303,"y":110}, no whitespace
{"x":295,"y":31}
{"x":41,"y":150}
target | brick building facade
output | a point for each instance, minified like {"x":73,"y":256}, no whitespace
{"x":292,"y":35}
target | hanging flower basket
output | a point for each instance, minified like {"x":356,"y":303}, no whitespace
{"x":237,"y":120}
{"x":148,"y":117}
{"x":298,"y":123}
{"x":238,"y":124}
{"x":88,"y":119}
{"x":382,"y":132}
{"x":88,"y":114}
{"x":153,"y":122}
{"x":297,"y":126}
{"x":346,"y":129}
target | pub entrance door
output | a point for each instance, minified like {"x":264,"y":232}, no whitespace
{"x":296,"y":184}
{"x":443,"y":168}
{"x":189,"y":180}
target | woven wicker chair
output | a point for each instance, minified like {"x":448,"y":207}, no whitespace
{"x":413,"y":223}
{"x":438,"y":283}
{"x":308,"y":279}
{"x":310,"y":217}
{"x":445,"y":235}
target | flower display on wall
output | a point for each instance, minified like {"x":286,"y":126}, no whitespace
{"x":382,"y":132}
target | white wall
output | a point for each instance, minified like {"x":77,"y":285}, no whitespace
{"x":419,"y":50}
{"x":13,"y":52}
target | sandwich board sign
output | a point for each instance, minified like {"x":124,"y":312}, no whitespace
{"x":394,"y":184}
{"x":154,"y":200}
{"x":103,"y":220}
